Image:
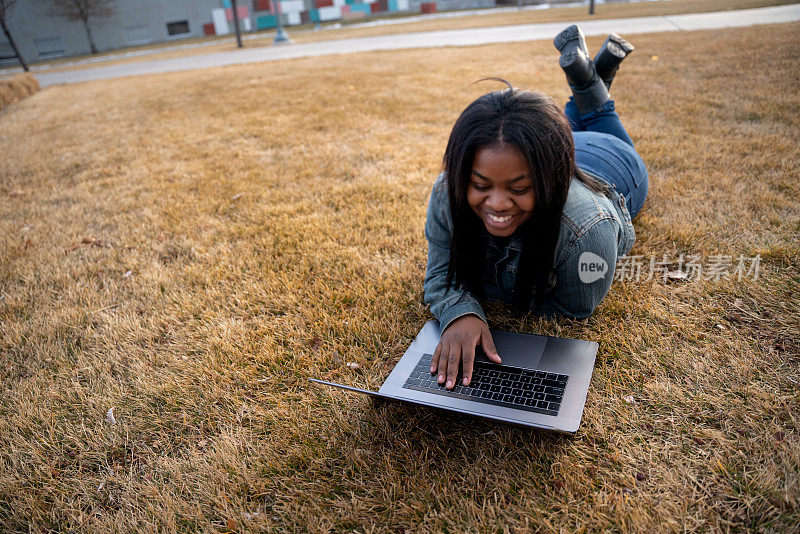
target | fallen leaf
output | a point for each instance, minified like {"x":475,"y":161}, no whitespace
{"x":14,"y":193}
{"x":677,"y":276}
{"x":641,"y":477}
{"x":127,"y":274}
{"x":91,"y":241}
{"x":110,"y":416}
{"x":352,"y":365}
{"x":629,"y":399}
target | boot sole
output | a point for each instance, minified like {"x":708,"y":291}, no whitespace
{"x":622,"y":47}
{"x":572,"y":33}
{"x":611,"y":54}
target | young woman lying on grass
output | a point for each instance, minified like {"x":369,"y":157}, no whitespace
{"x":534,"y":205}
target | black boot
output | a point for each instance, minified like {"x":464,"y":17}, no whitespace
{"x":588,"y":89}
{"x":610,"y":55}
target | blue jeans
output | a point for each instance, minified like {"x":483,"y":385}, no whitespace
{"x":604,"y":148}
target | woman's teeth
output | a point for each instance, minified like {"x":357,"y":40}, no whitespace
{"x":495,"y":218}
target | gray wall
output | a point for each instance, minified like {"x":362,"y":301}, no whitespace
{"x":36,"y":30}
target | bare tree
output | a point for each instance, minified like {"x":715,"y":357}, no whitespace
{"x":5,"y":12}
{"x":83,"y":10}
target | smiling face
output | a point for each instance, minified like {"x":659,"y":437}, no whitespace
{"x":500,"y":191}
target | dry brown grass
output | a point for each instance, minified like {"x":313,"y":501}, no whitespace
{"x":17,"y":88}
{"x":305,"y":34}
{"x":556,"y":14}
{"x":271,"y":218}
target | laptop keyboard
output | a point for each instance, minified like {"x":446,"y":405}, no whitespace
{"x":521,"y":389}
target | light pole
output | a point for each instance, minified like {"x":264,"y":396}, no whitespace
{"x":236,"y":23}
{"x":281,"y":36}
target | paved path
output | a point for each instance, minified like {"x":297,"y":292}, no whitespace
{"x":468,"y":37}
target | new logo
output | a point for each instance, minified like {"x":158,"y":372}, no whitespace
{"x":591,"y":267}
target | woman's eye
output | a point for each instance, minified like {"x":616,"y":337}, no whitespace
{"x":519,"y":190}
{"x":479,"y":187}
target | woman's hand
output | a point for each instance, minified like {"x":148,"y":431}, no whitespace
{"x":458,"y":344}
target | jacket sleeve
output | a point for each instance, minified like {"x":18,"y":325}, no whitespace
{"x":584,"y":277}
{"x":447,"y":303}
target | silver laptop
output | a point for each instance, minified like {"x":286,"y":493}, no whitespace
{"x":542,"y":382}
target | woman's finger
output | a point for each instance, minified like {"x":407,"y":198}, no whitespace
{"x":487,"y":343}
{"x":467,"y":360}
{"x":435,"y":358}
{"x":452,"y":365}
{"x":442,"y":367}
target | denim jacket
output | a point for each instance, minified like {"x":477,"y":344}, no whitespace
{"x":595,"y":231}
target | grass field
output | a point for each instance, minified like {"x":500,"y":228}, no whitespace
{"x":189,"y":248}
{"x":16,"y":88}
{"x":306,"y":34}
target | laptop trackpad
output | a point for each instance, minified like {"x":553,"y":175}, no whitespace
{"x":519,"y":350}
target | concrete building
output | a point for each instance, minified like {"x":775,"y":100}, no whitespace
{"x":40,"y":34}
